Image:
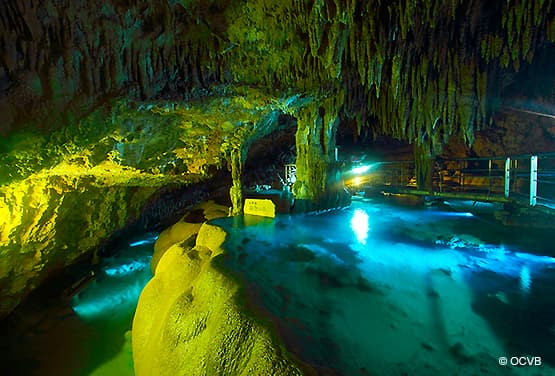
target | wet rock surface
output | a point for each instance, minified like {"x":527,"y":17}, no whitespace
{"x":191,"y":318}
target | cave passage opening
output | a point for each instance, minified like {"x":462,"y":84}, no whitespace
{"x":267,"y":156}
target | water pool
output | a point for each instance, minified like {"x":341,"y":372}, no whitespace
{"x":381,"y":289}
{"x":88,"y":334}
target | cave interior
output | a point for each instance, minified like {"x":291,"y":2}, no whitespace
{"x":118,"y":118}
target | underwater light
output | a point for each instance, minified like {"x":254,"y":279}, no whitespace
{"x":525,"y":279}
{"x":122,"y":270}
{"x":456,"y":214}
{"x":140,"y":242}
{"x":105,"y":300}
{"x":361,"y":170}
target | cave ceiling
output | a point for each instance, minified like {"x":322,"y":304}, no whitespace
{"x":420,"y":71}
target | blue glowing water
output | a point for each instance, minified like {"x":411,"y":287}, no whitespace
{"x":89,"y":333}
{"x":118,"y":284}
{"x":386,"y":290}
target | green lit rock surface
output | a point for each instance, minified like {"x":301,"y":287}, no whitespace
{"x":63,"y":193}
{"x":52,"y":218}
{"x":191,"y":319}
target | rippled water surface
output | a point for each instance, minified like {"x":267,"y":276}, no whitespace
{"x":381,"y":289}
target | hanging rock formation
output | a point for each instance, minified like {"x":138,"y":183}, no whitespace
{"x":420,"y":71}
{"x":102,"y":105}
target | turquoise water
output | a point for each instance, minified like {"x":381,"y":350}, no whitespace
{"x":374,"y":289}
{"x":87,"y":334}
{"x":380,"y":289}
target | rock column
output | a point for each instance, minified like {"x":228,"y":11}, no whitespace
{"x":315,"y":144}
{"x":236,"y":190}
{"x":423,"y":164}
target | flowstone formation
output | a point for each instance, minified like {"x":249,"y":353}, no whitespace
{"x":191,"y":318}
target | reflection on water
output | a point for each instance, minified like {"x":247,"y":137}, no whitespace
{"x":87,"y":334}
{"x":525,"y":279}
{"x":359,"y":224}
{"x":377,"y":289}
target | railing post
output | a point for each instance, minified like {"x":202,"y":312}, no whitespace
{"x":533,"y":180}
{"x":489,"y":176}
{"x":507,"y":177}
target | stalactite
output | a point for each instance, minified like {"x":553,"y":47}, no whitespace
{"x":236,"y":190}
{"x":436,"y":62}
{"x":407,"y":56}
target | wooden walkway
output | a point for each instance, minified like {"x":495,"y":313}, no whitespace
{"x":524,"y":179}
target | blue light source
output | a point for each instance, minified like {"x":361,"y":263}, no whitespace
{"x":125,"y":269}
{"x":361,"y":170}
{"x":525,"y":279}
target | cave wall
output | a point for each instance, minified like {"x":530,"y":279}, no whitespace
{"x":50,"y":221}
{"x":126,"y":85}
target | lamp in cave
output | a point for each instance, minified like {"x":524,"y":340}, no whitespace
{"x":357,"y":176}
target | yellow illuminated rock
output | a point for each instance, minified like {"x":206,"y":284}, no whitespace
{"x":63,"y":194}
{"x":191,"y":319}
{"x":52,"y":218}
{"x":186,"y":229}
{"x":261,"y":207}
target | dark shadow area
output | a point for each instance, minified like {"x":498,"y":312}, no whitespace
{"x":524,"y":321}
{"x":70,"y":325}
{"x":268,"y":156}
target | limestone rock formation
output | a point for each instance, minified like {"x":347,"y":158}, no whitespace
{"x":62,"y":194}
{"x":185,"y":231}
{"x":51,"y":219}
{"x":191,"y":319}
